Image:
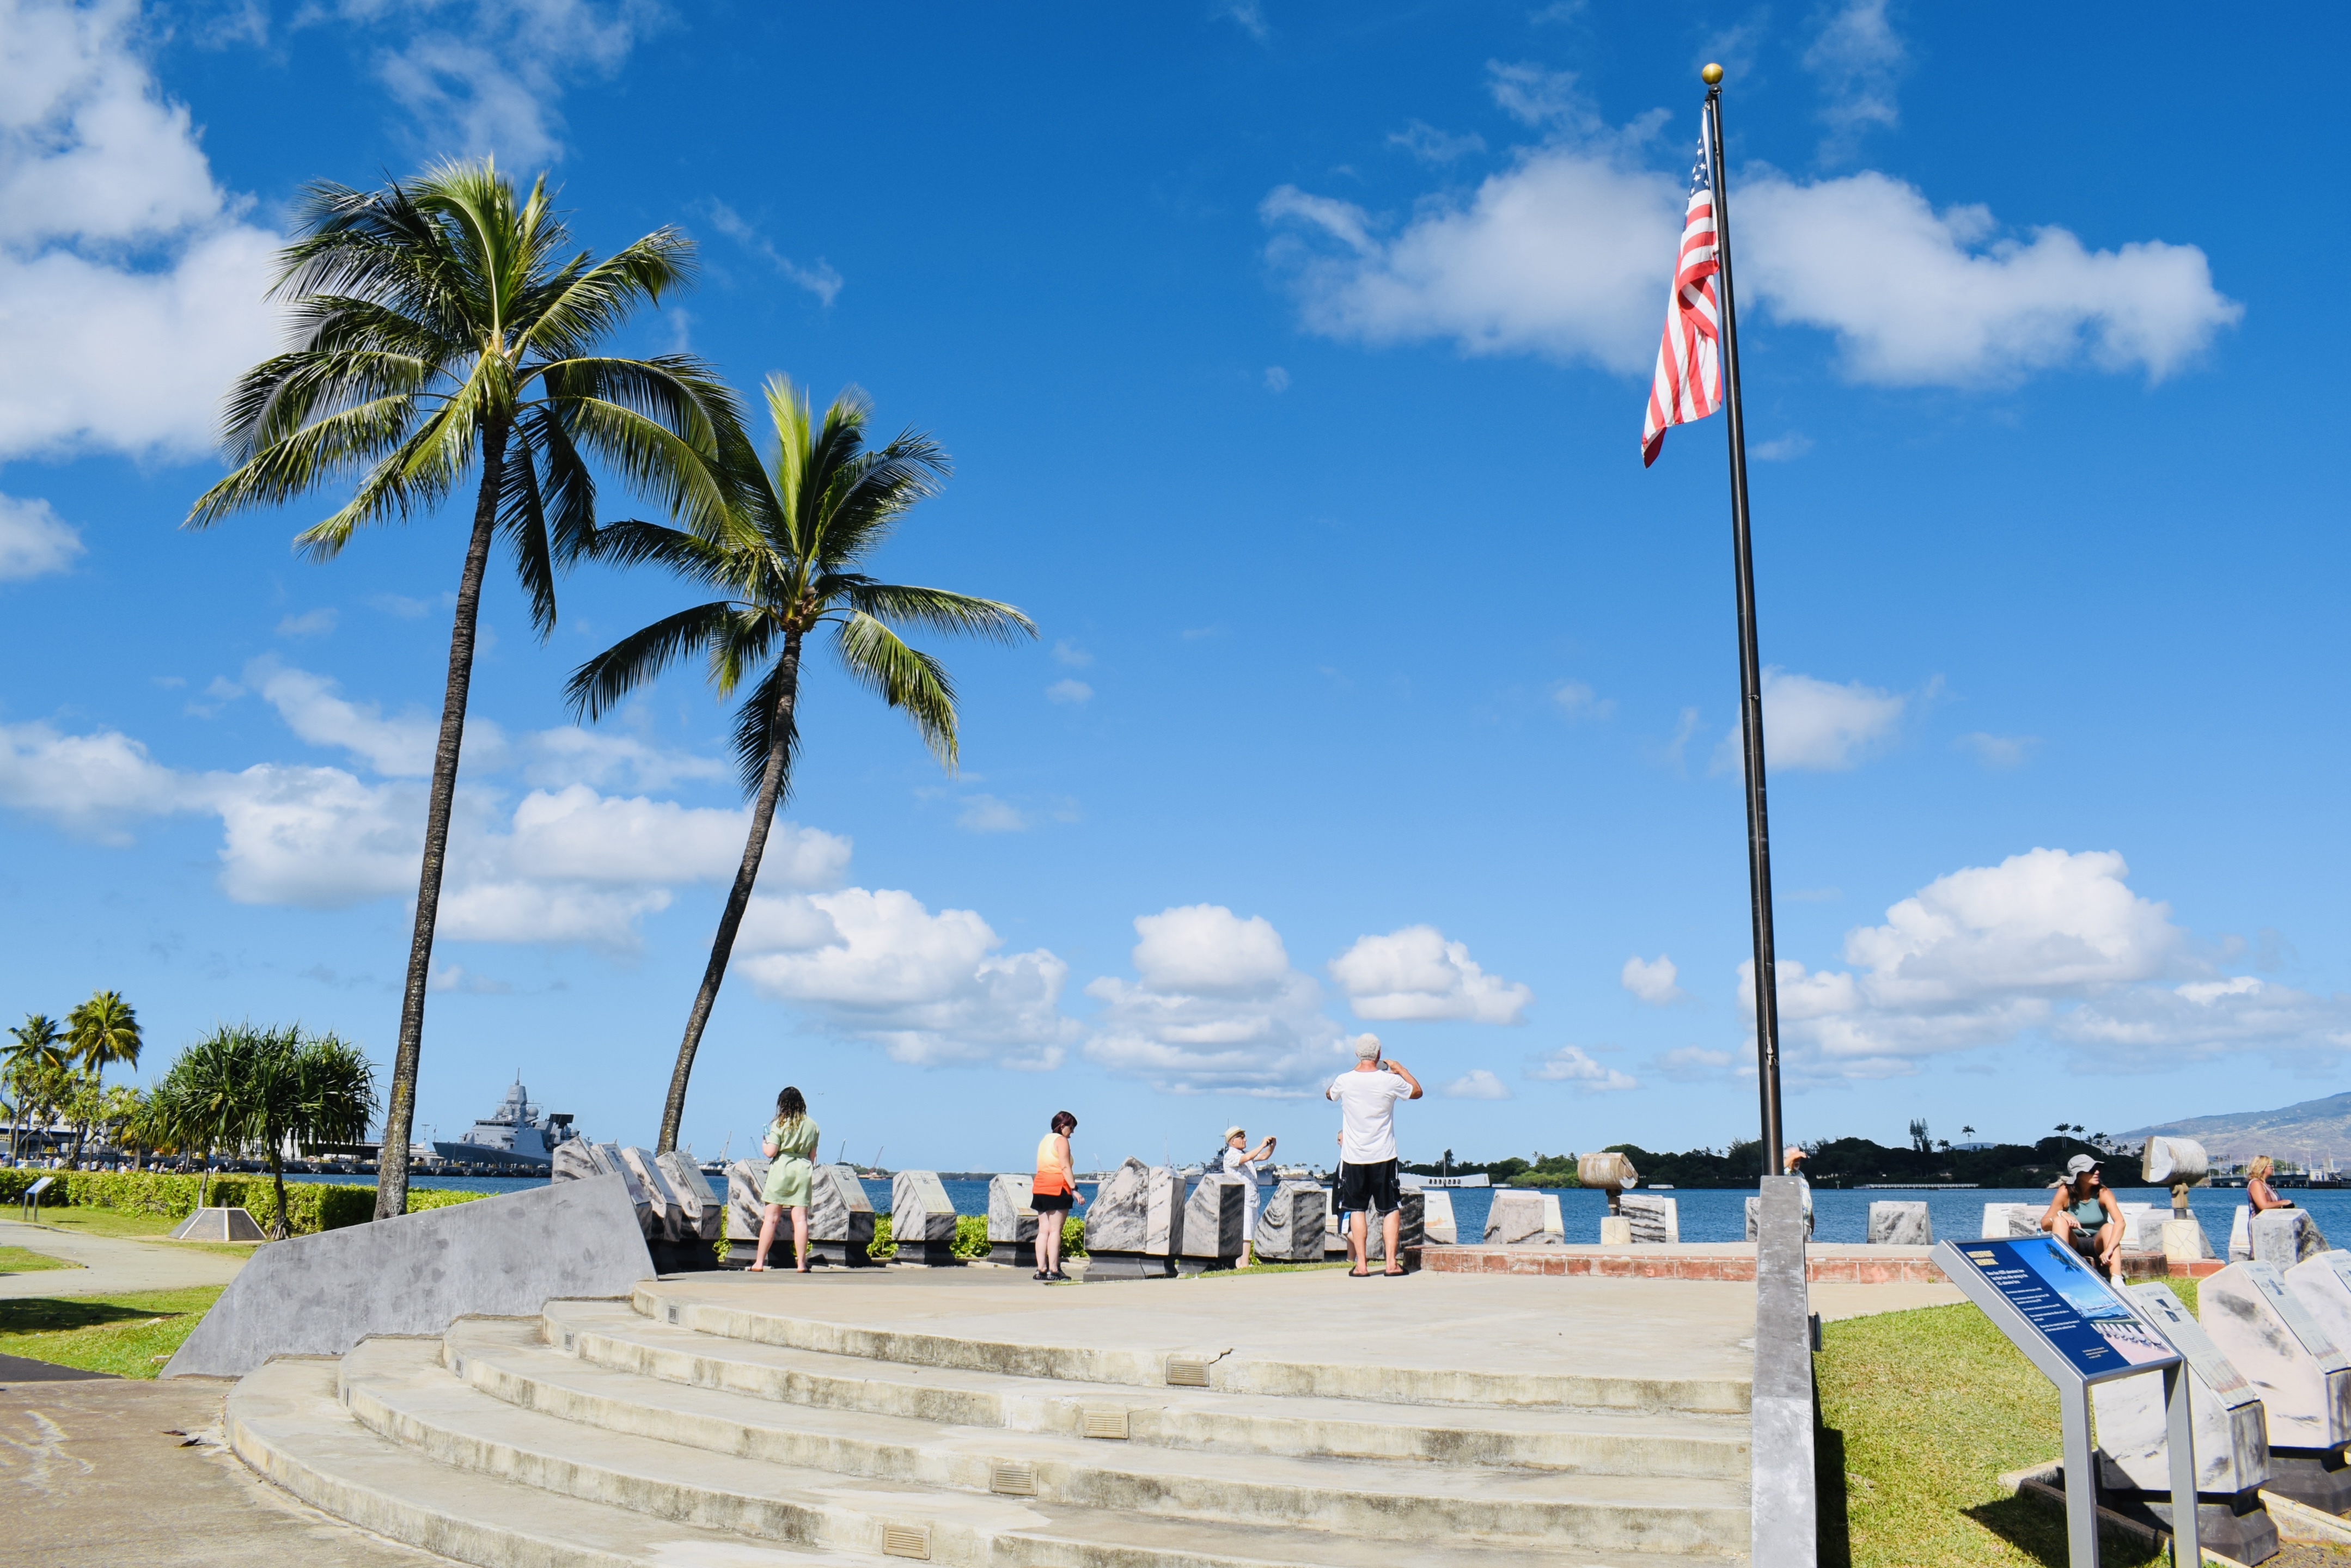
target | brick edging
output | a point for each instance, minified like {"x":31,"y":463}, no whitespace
{"x":1665,"y":1263}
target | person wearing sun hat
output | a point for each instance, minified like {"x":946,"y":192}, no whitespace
{"x":2085,"y":1216}
{"x":1239,"y":1159}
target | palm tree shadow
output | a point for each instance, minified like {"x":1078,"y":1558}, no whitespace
{"x":47,"y":1314}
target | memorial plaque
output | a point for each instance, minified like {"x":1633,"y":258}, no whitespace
{"x":1515,"y":1219}
{"x":2070,"y":1308}
{"x":1133,"y":1223}
{"x":704,"y":1217}
{"x":840,"y":1218}
{"x":2233,"y":1445}
{"x":1657,"y":1221}
{"x":1213,"y":1215}
{"x":2284,"y":1236}
{"x":1291,"y":1225}
{"x":1436,"y":1217}
{"x":1115,"y":1218}
{"x":2272,"y":1338}
{"x":1011,"y":1224}
{"x":921,"y":1221}
{"x":745,"y":1181}
{"x":1900,"y":1224}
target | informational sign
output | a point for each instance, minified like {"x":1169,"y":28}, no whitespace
{"x":2070,"y":1307}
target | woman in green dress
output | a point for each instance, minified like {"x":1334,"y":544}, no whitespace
{"x":790,"y":1147}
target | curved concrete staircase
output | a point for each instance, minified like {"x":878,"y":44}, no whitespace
{"x":674,"y":1429}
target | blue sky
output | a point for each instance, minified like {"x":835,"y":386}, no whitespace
{"x":1293,"y":359}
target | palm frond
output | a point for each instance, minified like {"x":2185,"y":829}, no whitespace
{"x":755,"y":731}
{"x":870,"y":495}
{"x":654,"y":461}
{"x":598,"y":685}
{"x":904,"y":677}
{"x":322,"y":452}
{"x":522,"y":518}
{"x":583,"y":305}
{"x":634,"y":543}
{"x":566,"y":488}
{"x":936,"y":608}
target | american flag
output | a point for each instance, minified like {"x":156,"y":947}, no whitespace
{"x":1689,"y":382}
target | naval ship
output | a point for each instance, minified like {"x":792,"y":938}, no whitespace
{"x":515,"y":1135}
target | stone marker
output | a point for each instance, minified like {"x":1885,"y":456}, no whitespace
{"x":705,"y":1216}
{"x":2241,"y":1235}
{"x":1900,"y":1224}
{"x":1211,"y":1232}
{"x":745,"y":1181}
{"x":1011,"y":1224}
{"x":503,"y":1256}
{"x":2284,"y":1236}
{"x":1133,"y":1224}
{"x":1436,"y":1217}
{"x":1753,"y":1212}
{"x":1515,"y":1219}
{"x":668,"y":1211}
{"x":841,"y":1219}
{"x":1291,"y":1226}
{"x":2184,"y":1241}
{"x":2232,"y":1450}
{"x":921,"y":1221}
{"x":1656,"y":1221}
{"x":218,"y":1225}
{"x":1554,"y":1226}
{"x":2303,"y":1381}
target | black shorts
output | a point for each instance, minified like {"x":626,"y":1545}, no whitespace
{"x":1368,"y":1187}
{"x":1043,"y":1202}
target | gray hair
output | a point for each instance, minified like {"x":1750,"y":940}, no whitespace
{"x":1367,"y":1048}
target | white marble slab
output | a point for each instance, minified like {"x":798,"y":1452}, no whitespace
{"x":2231,"y":1439}
{"x":2263,"y":1328}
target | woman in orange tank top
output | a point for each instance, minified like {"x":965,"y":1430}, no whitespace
{"x":1053,"y":1193}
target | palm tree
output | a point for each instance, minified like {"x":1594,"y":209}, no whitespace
{"x":240,"y":1084}
{"x":35,"y":1053}
{"x":785,"y":554}
{"x":439,"y":327}
{"x":103,"y":1032}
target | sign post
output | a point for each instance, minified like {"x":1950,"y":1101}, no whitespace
{"x":2079,"y":1333}
{"x":29,"y":1208}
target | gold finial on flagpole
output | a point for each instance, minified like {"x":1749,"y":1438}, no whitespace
{"x":1711,"y":75}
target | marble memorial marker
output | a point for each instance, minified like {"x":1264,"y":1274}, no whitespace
{"x":1657,"y":1221}
{"x":1436,"y":1217}
{"x":703,"y":1215}
{"x":1115,"y":1220}
{"x":1212,"y":1220}
{"x":2232,"y":1446}
{"x":1900,"y":1224}
{"x":1515,"y":1220}
{"x":746,"y":1180}
{"x":1163,"y":1217}
{"x":1754,"y":1207}
{"x":1292,"y":1226}
{"x":1412,"y":1225}
{"x":1009,"y":1218}
{"x":2284,"y":1236}
{"x":580,"y":1158}
{"x":668,"y":1211}
{"x":921,"y":1221}
{"x":2322,"y":1284}
{"x":841,"y":1216}
{"x":2272,"y":1339}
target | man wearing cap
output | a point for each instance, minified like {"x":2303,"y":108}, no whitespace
{"x":2082,"y":1213}
{"x":1367,"y":1096}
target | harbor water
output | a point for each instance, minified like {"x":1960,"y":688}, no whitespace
{"x":1706,"y":1214}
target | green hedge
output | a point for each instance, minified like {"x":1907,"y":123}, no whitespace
{"x":310,"y":1206}
{"x":970,"y":1236}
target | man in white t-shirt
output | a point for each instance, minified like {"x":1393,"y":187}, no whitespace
{"x":1367,"y":1098}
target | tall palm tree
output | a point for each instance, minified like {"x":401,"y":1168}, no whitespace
{"x":441,"y":328}
{"x":241,"y":1085}
{"x":786,"y":555}
{"x":36,"y":1053}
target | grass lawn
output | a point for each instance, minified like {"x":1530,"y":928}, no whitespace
{"x":129,"y":1225}
{"x":130,"y":1335}
{"x":1268,"y":1267}
{"x":18,"y":1261}
{"x":1926,"y":1409}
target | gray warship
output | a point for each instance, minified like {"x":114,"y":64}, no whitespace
{"x":515,"y":1135}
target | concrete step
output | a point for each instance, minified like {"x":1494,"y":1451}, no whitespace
{"x":286,"y":1422}
{"x":609,"y":1335}
{"x":398,"y":1389}
{"x":732,"y":1313}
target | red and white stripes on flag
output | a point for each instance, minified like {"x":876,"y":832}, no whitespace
{"x":1689,"y":382}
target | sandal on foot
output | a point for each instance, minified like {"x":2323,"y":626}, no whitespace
{"x":1359,"y":1274}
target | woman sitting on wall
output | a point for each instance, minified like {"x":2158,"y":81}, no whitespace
{"x":2084,"y":1214}
{"x":2257,"y":1191}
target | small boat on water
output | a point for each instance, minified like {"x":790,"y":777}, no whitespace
{"x":516,"y":1135}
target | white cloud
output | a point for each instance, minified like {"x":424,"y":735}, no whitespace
{"x":985,"y":813}
{"x":96,"y":168}
{"x":1430,"y":145}
{"x":1651,"y":979}
{"x":2150,"y":1028}
{"x":1785,"y":449}
{"x":311,"y":623}
{"x":1067,"y":652}
{"x":1571,"y":1064}
{"x":1069,"y":692}
{"x":555,"y":758}
{"x":1415,"y":973}
{"x":489,"y":81}
{"x":317,"y":838}
{"x":87,"y":784}
{"x":1248,"y":16}
{"x":819,"y":280}
{"x":1694,"y":1063}
{"x":1477,"y":1084}
{"x":1818,"y":725}
{"x":313,"y":709}
{"x":929,"y":989}
{"x":34,"y":541}
{"x":2001,"y":752}
{"x":1216,"y":1009}
{"x":1562,"y":254}
{"x":1277,"y":380}
{"x":1859,"y":60}
{"x":1579,"y":700}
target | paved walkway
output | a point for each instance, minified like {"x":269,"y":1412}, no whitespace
{"x":109,"y":1264}
{"x":131,"y":1471}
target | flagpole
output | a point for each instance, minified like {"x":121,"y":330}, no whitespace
{"x":1750,"y":673}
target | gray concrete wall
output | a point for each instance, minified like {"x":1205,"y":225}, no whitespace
{"x":1783,"y":1495}
{"x":320,"y":1295}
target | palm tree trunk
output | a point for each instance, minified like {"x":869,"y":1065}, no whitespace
{"x":400,"y":1112}
{"x":279,"y":1232}
{"x":738,"y":898}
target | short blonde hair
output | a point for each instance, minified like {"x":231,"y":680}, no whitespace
{"x":2260,"y":1167}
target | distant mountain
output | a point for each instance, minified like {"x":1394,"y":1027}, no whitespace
{"x":2313,"y":1130}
